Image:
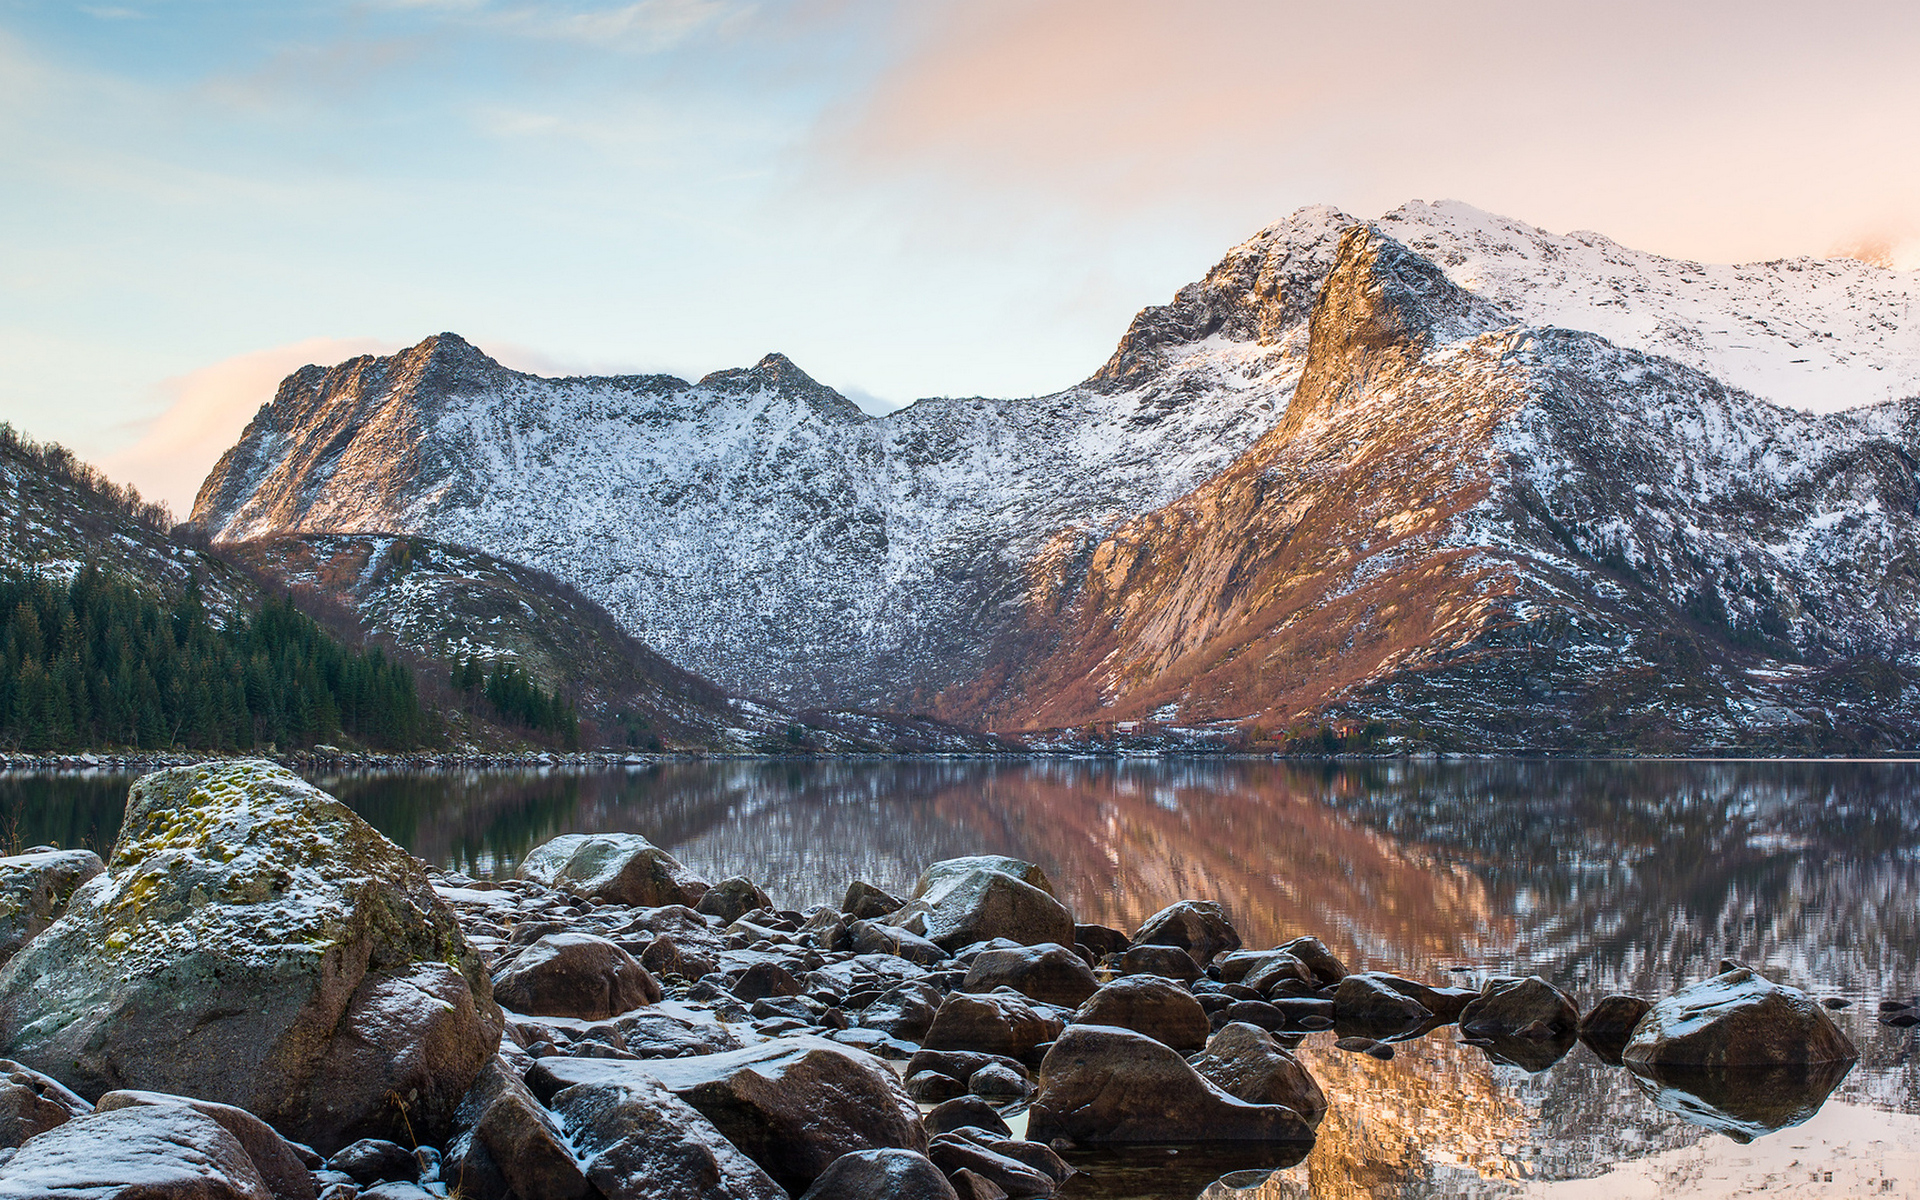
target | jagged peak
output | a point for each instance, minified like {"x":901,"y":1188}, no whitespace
{"x":776,"y":372}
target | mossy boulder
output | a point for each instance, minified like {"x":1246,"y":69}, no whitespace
{"x":34,"y":890}
{"x":253,"y":942}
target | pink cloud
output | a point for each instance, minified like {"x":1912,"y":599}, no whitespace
{"x":209,"y":407}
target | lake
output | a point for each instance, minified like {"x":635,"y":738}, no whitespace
{"x":1600,"y":876}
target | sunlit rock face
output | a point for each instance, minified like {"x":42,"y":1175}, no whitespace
{"x":1444,"y":472}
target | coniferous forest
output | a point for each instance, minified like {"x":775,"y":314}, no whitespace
{"x":97,"y":662}
{"x":517,"y":699}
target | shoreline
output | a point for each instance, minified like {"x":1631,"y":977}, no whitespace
{"x":121,"y":763}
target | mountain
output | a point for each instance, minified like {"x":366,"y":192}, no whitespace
{"x":1442,"y":475}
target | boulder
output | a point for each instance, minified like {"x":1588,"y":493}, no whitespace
{"x":1100,"y":940}
{"x":1367,"y":1004}
{"x":1610,"y":1023}
{"x":375,"y":1160}
{"x":948,"y":869}
{"x":1169,"y":962}
{"x":969,"y":1185}
{"x":1245,"y":1063}
{"x":510,"y":1146}
{"x":623,"y":868}
{"x":905,"y":1012}
{"x":955,"y":906}
{"x":148,"y":1152}
{"x":966,"y":1112}
{"x":881,"y":1175}
{"x":1200,"y":927}
{"x":641,"y":1142}
{"x":1530,"y":1008}
{"x":34,"y":890}
{"x":764,"y":979}
{"x":1325,"y":965}
{"x":732,"y":898}
{"x":865,"y":902}
{"x":1100,"y":1084}
{"x":992,"y":1023}
{"x":1279,"y":967}
{"x":665,"y":955}
{"x":793,"y":1105}
{"x":1737,"y":1019}
{"x":254,"y":943}
{"x":32,"y":1103}
{"x":1048,"y":973}
{"x":997,"y":1081}
{"x":281,"y":1166}
{"x":574,"y":975}
{"x":871,"y":937}
{"x":1149,"y":1005}
{"x":953,"y":1152}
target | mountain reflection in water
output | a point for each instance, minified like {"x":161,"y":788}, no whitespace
{"x":1601,"y":876}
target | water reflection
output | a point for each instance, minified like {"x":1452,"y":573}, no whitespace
{"x":1603,"y":877}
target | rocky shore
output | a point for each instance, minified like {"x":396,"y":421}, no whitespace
{"x":258,"y":996}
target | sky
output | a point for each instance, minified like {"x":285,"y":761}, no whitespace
{"x":907,"y":199}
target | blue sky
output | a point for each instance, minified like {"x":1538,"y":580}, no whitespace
{"x":921,"y":199}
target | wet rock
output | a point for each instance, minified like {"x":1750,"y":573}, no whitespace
{"x":1245,"y":1063}
{"x":32,"y":1103}
{"x":964,"y":901}
{"x":966,"y":1112}
{"x":865,"y":902}
{"x":993,"y":1023}
{"x":1100,"y":940}
{"x":34,"y":890}
{"x":1281,"y":968}
{"x":1742,"y":1102}
{"x":144,"y":1151}
{"x":1365,"y":1045}
{"x":997,"y":1081}
{"x":933,"y":1087}
{"x":1325,"y":965}
{"x":1169,"y":962}
{"x":732,"y":898}
{"x":510,"y":1146}
{"x":881,"y":1175}
{"x":1148,"y":1005}
{"x":623,"y":868}
{"x":792,"y":1105}
{"x":1100,"y":1084}
{"x":1200,"y":927}
{"x":1609,"y":1024}
{"x":871,"y":937}
{"x":371,"y":1160}
{"x":575,"y":975}
{"x":282,"y":1166}
{"x":1048,"y":973}
{"x":1370,"y":1006}
{"x":1445,"y":1003}
{"x":1530,"y":1008}
{"x":952,"y":1152}
{"x":641,"y":1142}
{"x":1737,"y":1019}
{"x":255,"y":943}
{"x":971,"y":1185}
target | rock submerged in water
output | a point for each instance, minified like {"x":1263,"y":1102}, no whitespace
{"x":1737,"y":1019}
{"x":254,"y":943}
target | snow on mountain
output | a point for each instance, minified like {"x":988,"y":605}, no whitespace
{"x":1599,"y":416}
{"x":1815,"y":334}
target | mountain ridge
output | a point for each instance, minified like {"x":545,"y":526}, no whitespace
{"x":958,"y":555}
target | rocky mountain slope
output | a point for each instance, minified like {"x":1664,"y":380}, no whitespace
{"x":1442,"y":474}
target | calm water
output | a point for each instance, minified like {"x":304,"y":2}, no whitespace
{"x":1603,"y":877}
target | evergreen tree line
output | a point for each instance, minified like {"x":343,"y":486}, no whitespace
{"x":98,"y":663}
{"x":518,"y":699}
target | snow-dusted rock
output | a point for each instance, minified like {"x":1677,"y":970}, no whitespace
{"x":253,"y":942}
{"x":964,"y":901}
{"x":281,"y":1166}
{"x":32,"y":1103}
{"x":142,"y":1151}
{"x":1737,"y":1019}
{"x":641,"y":1142}
{"x":1101,"y":1084}
{"x":34,"y":890}
{"x":624,"y":868}
{"x":574,"y":975}
{"x":793,"y":1105}
{"x":508,"y":1145}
